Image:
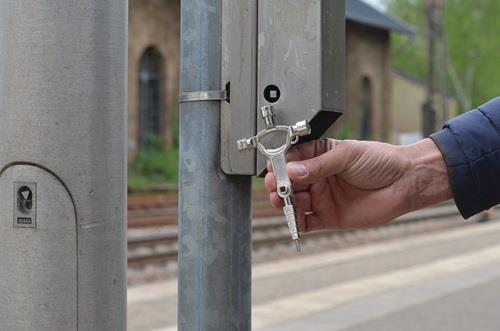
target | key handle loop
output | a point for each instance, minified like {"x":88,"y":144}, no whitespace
{"x":293,"y":133}
{"x":268,"y":133}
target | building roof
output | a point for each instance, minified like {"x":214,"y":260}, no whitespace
{"x":361,"y":12}
{"x":414,"y":79}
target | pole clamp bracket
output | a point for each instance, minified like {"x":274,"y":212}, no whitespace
{"x":197,"y":96}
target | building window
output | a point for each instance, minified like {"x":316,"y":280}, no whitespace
{"x":366,"y":109}
{"x":151,"y":82}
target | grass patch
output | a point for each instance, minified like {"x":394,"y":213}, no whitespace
{"x":154,"y":166}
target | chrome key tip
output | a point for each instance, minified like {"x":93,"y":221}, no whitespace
{"x":297,"y":245}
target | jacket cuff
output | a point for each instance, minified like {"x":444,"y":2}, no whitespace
{"x":460,"y":174}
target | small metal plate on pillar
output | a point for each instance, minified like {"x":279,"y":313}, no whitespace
{"x":24,"y":205}
{"x":38,"y":263}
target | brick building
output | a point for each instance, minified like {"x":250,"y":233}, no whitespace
{"x":369,"y":79}
{"x":154,"y":71}
{"x":409,"y":94}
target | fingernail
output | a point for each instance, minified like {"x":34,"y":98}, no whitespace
{"x":298,"y":168}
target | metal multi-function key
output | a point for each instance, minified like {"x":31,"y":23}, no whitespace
{"x":277,"y":156}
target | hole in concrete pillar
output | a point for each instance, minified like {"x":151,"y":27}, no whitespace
{"x":24,"y":199}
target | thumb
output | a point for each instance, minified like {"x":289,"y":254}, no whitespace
{"x":327,"y":164}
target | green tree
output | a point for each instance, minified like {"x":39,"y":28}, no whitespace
{"x":471,"y":30}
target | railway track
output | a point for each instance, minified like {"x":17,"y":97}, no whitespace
{"x":162,"y":248}
{"x":162,"y":210}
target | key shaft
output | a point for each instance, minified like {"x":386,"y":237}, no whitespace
{"x":277,"y":157}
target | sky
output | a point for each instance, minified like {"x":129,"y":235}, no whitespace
{"x":379,"y":4}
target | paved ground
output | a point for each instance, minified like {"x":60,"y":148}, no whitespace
{"x":441,"y":281}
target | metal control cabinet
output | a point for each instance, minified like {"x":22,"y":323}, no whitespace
{"x":63,"y":165}
{"x":239,"y":78}
{"x":287,"y":53}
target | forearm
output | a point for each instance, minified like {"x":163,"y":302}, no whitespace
{"x":426,"y":179}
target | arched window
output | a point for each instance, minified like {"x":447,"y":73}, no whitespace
{"x":366,"y":109}
{"x":151,"y":82}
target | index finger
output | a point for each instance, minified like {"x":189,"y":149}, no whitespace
{"x":306,"y":151}
{"x":311,"y":149}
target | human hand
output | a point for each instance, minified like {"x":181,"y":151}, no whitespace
{"x":353,"y":184}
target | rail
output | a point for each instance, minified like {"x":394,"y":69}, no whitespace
{"x":162,"y":248}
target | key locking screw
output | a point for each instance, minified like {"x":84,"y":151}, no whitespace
{"x":267,"y":113}
{"x":245,"y":145}
{"x":300,"y":129}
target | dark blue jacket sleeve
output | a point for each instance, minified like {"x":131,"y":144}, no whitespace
{"x":470,"y":145}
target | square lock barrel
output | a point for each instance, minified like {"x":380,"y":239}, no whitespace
{"x":301,"y":63}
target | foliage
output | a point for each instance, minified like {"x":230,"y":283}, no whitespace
{"x":344,"y":132}
{"x":470,"y":29}
{"x":175,"y":129}
{"x":154,"y":165}
{"x":258,"y":183}
{"x":409,"y":54}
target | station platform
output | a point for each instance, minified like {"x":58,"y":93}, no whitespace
{"x":447,"y":280}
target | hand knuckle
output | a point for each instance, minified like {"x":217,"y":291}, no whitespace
{"x":316,"y":167}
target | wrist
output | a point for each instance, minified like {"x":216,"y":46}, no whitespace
{"x":426,"y":177}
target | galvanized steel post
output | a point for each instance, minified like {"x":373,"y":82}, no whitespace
{"x":63,"y":165}
{"x":215,"y":229}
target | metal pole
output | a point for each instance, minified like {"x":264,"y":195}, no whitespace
{"x":428,"y":110}
{"x":63,"y":165}
{"x":215,"y":229}
{"x":431,"y":50}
